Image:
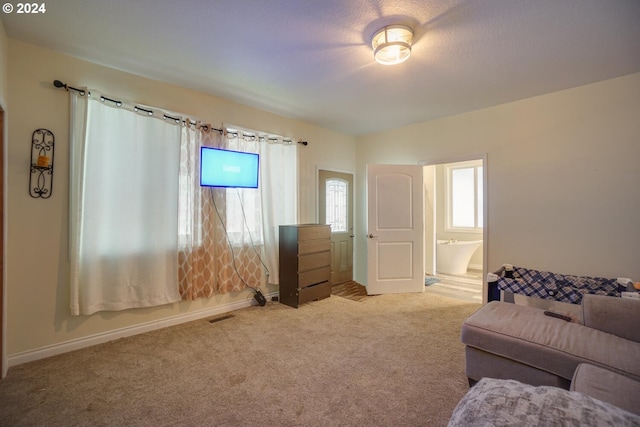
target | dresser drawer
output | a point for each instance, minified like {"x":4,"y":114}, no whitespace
{"x":313,"y":246}
{"x":314,"y":232}
{"x":313,"y":277}
{"x":315,"y":292}
{"x":314,"y":261}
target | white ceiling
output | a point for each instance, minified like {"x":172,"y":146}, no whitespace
{"x":311,"y":59}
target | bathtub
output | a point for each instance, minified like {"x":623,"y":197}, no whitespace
{"x":453,"y":257}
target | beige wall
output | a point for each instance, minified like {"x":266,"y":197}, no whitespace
{"x":563,"y":176}
{"x":37,"y":267}
{"x":4,"y":63}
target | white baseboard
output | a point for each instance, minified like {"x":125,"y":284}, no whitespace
{"x":475,"y":266}
{"x":84,"y":342}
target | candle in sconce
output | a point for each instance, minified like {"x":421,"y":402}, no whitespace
{"x":43,"y":161}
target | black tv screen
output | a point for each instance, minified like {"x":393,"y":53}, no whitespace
{"x":227,"y":168}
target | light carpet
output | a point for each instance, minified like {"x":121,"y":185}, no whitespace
{"x":391,"y":360}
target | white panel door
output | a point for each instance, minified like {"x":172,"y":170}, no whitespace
{"x":395,"y":227}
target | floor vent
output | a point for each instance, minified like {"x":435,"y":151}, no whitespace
{"x":217,"y":319}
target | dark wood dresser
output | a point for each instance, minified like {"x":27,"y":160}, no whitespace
{"x":305,"y":263}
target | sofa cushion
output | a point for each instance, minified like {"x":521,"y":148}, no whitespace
{"x":493,"y":402}
{"x":607,"y":386}
{"x":480,"y":364}
{"x":527,"y":335}
{"x":617,"y":316}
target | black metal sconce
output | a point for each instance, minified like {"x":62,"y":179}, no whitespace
{"x":41,"y":176}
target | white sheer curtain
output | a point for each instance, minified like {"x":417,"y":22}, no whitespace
{"x":279,"y":178}
{"x":252,"y":216}
{"x":123,"y":207}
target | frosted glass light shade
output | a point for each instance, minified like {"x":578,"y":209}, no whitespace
{"x":392,"y":44}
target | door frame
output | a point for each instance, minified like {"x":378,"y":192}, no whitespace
{"x":353,"y":203}
{"x":4,"y":365}
{"x":485,"y":208}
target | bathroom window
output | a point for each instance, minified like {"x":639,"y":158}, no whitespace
{"x":336,"y":209}
{"x":464,"y":196}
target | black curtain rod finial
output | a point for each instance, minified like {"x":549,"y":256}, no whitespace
{"x":59,"y":84}
{"x":303,"y":142}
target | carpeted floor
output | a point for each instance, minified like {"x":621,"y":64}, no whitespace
{"x":388,"y":360}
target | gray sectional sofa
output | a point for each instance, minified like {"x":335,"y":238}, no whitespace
{"x":515,"y":342}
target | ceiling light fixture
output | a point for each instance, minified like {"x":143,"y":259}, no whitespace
{"x":392,"y":44}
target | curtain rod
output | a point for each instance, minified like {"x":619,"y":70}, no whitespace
{"x":59,"y":84}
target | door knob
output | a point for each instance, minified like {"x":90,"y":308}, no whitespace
{"x":371,"y":236}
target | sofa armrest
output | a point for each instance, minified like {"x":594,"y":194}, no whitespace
{"x":617,"y":316}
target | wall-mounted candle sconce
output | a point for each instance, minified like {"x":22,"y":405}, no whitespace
{"x":41,"y":176}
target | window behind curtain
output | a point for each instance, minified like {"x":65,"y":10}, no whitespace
{"x":243,"y":213}
{"x":244,"y":219}
{"x":254,"y":215}
{"x":250,"y":217}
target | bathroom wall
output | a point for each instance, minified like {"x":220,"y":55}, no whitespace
{"x":430,"y":198}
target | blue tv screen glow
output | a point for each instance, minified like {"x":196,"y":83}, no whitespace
{"x":226,"y":168}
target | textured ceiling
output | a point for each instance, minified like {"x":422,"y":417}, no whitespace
{"x":311,"y":59}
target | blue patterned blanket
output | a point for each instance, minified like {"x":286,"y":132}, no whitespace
{"x":559,"y":287}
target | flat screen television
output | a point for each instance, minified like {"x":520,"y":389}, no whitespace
{"x":227,"y":168}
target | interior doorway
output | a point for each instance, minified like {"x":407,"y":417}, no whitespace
{"x":335,"y":207}
{"x":455,"y":224}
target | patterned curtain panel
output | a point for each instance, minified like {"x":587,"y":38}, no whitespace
{"x":239,"y":237}
{"x":197,"y":244}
